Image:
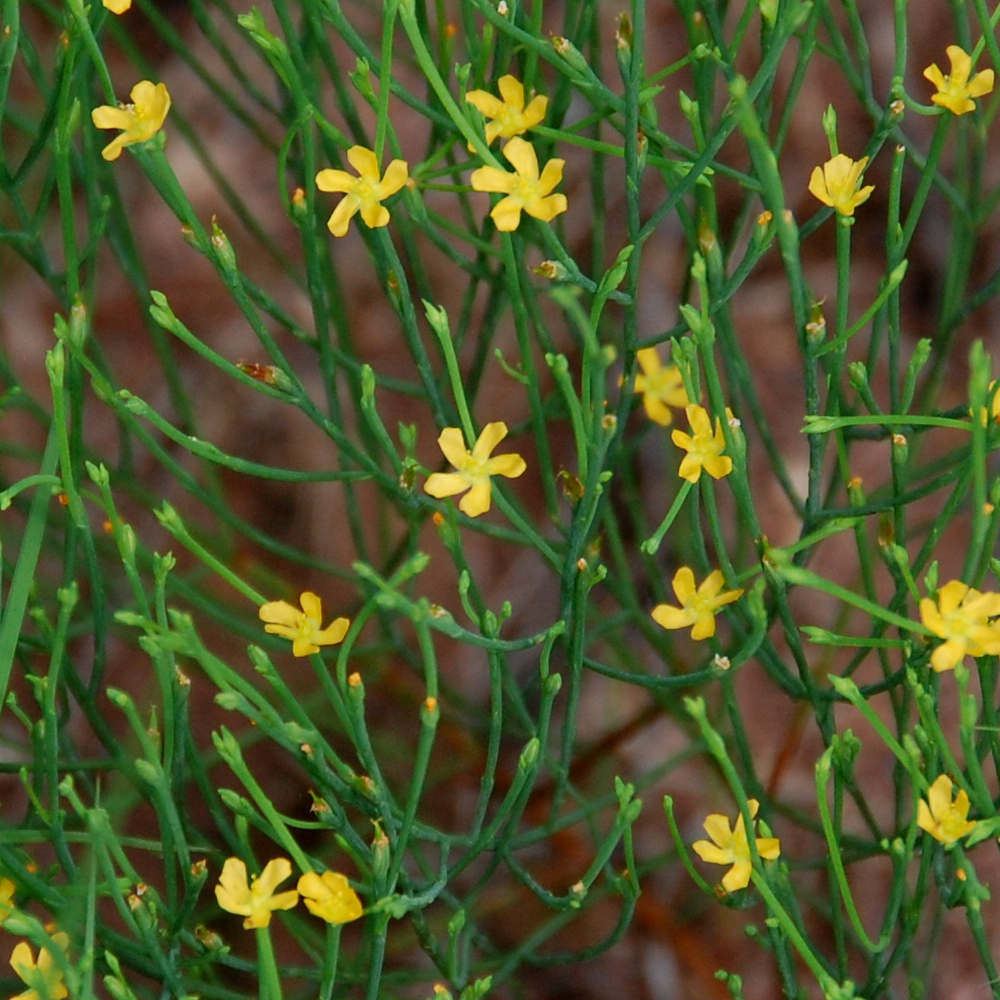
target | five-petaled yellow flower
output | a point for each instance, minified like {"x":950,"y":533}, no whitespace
{"x":526,"y":190}
{"x":942,"y":818}
{"x":364,"y":193}
{"x":963,"y":617}
{"x":118,"y":6}
{"x":330,"y":897}
{"x":509,"y":116}
{"x":305,"y":627}
{"x":730,"y":847}
{"x":256,"y":899}
{"x":703,"y":446}
{"x":661,"y":386}
{"x":44,"y":977}
{"x":474,"y":468}
{"x":838,"y":183}
{"x":955,"y":91}
{"x":139,"y":121}
{"x":698,"y":605}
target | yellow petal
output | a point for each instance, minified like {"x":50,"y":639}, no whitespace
{"x":477,"y":500}
{"x":233,"y":891}
{"x":738,"y":877}
{"x":340,"y":221}
{"x":492,"y":434}
{"x":452,"y":444}
{"x":551,"y":175}
{"x":511,"y":466}
{"x":396,"y":176}
{"x":374,"y":215}
{"x":279,"y":613}
{"x":485,"y":102}
{"x":547,"y":209}
{"x":364,"y":162}
{"x":446,"y":484}
{"x":512,"y":91}
{"x":491,"y":179}
{"x":669,"y":617}
{"x":333,"y":633}
{"x":335,"y":180}
{"x":117,"y":6}
{"x":506,"y":214}
{"x":683,"y":584}
{"x":711,"y":853}
{"x":107,"y":116}
{"x":521,"y":154}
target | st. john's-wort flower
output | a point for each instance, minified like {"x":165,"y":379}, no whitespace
{"x":945,"y":820}
{"x":305,"y":627}
{"x":364,"y":193}
{"x":730,"y":847}
{"x":255,"y":899}
{"x":661,"y":386}
{"x":955,"y":91}
{"x":509,"y":116}
{"x":330,"y":897}
{"x":117,"y":6}
{"x":703,"y":446}
{"x":44,"y":977}
{"x":963,"y":617}
{"x":473,"y":468}
{"x":698,"y":605}
{"x":139,"y":120}
{"x":838,"y":183}
{"x":526,"y":190}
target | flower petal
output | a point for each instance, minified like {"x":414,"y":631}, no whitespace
{"x":491,"y":179}
{"x":340,"y":221}
{"x":512,"y":91}
{"x":477,"y":500}
{"x":451,"y":441}
{"x":336,"y":180}
{"x":364,"y":162}
{"x":395,"y":177}
{"x":511,"y":466}
{"x":669,"y":617}
{"x":521,"y":154}
{"x":506,"y":214}
{"x":492,"y":434}
{"x":738,"y":877}
{"x":446,"y":484}
{"x":279,"y":613}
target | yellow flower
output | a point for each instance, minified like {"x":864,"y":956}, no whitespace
{"x":525,"y":189}
{"x":303,"y":627}
{"x":255,"y":900}
{"x":943,"y":819}
{"x":730,"y":847}
{"x":474,"y":467}
{"x":838,"y":181}
{"x":509,"y":116}
{"x":330,"y":896}
{"x":698,"y":606}
{"x":955,"y":91}
{"x":363,"y":193}
{"x":44,"y":977}
{"x":704,"y":448}
{"x":139,"y":121}
{"x":661,"y":386}
{"x":962,"y":617}
{"x":118,"y":6}
{"x":7,"y":890}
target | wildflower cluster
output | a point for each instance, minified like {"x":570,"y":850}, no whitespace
{"x":328,"y":895}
